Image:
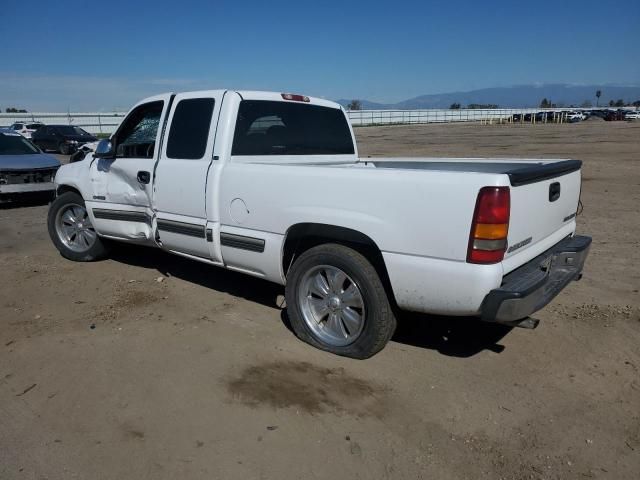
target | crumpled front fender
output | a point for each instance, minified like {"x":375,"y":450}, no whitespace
{"x":75,"y":175}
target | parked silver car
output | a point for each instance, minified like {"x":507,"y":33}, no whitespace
{"x":24,"y":168}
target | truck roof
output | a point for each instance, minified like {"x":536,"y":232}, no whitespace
{"x":278,"y":96}
{"x":257,"y":95}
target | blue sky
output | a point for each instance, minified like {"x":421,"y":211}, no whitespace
{"x":102,"y":55}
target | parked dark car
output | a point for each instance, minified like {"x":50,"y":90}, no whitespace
{"x":551,"y":116}
{"x":544,"y":117}
{"x":598,"y":113}
{"x":608,"y":115}
{"x":613,"y":115}
{"x":621,"y":114}
{"x":65,"y":139}
{"x":24,"y":169}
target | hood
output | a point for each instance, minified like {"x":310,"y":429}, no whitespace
{"x":28,"y":162}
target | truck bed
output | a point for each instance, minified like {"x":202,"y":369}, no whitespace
{"x":520,"y":172}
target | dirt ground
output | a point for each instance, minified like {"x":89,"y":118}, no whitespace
{"x":108,"y":373}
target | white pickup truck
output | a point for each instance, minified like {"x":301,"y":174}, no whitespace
{"x":271,"y":185}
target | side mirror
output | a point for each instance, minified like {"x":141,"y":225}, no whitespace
{"x":104,"y":149}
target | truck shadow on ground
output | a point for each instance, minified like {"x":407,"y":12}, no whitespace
{"x":227,"y":281}
{"x":461,"y":337}
{"x":452,"y":336}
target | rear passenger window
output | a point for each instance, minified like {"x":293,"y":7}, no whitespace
{"x":281,"y":128}
{"x":190,"y":128}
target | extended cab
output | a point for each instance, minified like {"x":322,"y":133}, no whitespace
{"x":271,"y":185}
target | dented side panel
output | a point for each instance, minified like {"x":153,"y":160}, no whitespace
{"x":116,"y":180}
{"x":121,"y":189}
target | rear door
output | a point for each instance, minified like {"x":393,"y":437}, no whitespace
{"x":51,"y":139}
{"x":122,"y":186}
{"x":179,"y":196}
{"x":43,"y":138}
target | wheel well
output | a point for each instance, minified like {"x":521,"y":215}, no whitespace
{"x":66,"y":188}
{"x":303,"y":236}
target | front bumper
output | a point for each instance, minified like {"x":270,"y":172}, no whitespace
{"x":532,"y":286}
{"x":24,"y":181}
{"x":27,"y":187}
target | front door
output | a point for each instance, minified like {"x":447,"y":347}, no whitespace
{"x":179,"y":196}
{"x":122,"y":186}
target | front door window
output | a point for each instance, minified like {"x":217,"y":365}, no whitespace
{"x":136,"y":138}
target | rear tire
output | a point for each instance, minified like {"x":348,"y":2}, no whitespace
{"x":63,"y":148}
{"x":71,"y":231}
{"x":337,"y":302}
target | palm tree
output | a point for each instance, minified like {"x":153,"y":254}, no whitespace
{"x":598,"y":93}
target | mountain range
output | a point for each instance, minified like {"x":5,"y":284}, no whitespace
{"x":519,"y":96}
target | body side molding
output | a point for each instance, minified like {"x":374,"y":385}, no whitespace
{"x":242,"y":242}
{"x":181,"y":228}
{"x":122,"y":215}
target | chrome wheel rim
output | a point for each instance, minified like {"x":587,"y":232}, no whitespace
{"x":74,"y":228}
{"x":332,"y":305}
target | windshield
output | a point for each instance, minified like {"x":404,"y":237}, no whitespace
{"x":71,"y":130}
{"x":16,"y":145}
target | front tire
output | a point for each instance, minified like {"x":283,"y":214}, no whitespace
{"x":337,"y":302}
{"x":63,"y":148}
{"x":71,"y":230}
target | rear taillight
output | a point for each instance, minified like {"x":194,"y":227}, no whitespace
{"x":490,"y":226}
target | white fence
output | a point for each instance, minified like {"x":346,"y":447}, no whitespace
{"x":106,"y":123}
{"x":102,"y":122}
{"x":391,"y":117}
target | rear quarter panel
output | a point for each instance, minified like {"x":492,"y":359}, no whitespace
{"x":419,"y":220}
{"x":423,"y":214}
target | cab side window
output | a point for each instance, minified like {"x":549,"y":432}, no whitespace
{"x":190,"y":129}
{"x":136,"y":137}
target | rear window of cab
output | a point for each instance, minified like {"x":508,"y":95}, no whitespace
{"x":267,"y":127}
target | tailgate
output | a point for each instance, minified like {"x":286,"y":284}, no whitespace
{"x":544,"y":201}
